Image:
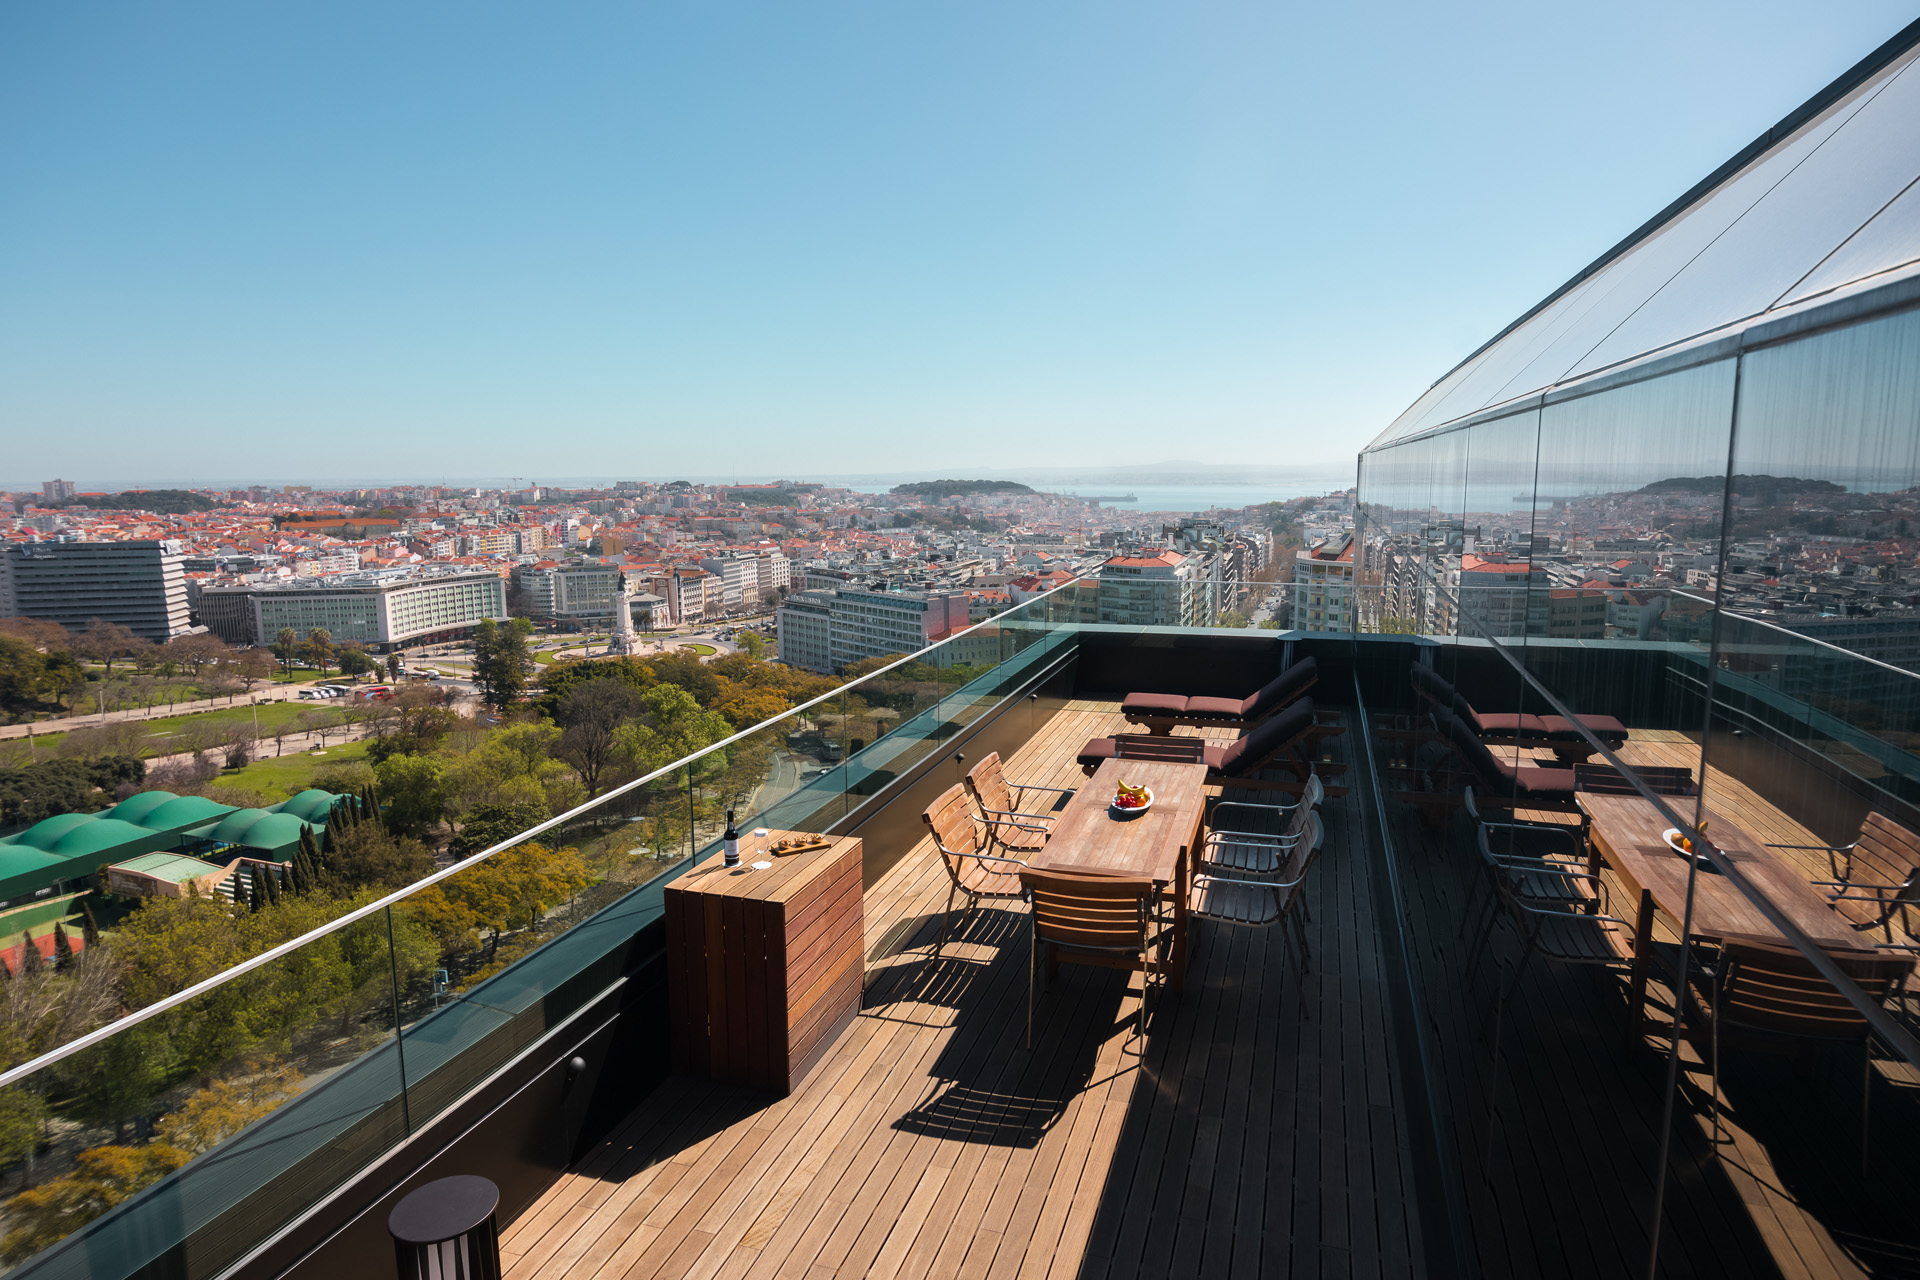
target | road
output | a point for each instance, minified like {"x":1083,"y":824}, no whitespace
{"x":278,"y":693}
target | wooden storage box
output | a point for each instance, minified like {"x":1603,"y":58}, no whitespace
{"x":765,"y":968}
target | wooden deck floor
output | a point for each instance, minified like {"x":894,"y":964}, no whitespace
{"x":1254,"y":1132}
{"x":1558,"y":1145}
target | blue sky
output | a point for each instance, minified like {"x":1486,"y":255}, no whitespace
{"x":247,"y":240}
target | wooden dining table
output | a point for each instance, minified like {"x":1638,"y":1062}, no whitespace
{"x":1159,"y":845}
{"x":1627,"y":832}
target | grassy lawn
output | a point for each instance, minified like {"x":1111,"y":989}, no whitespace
{"x":703,"y":650}
{"x":161,"y":729}
{"x":293,"y":772}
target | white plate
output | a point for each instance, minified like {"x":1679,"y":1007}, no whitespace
{"x":1672,"y":836}
{"x":1128,"y":813}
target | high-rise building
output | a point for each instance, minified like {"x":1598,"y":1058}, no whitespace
{"x":825,"y":630}
{"x":1155,"y":588}
{"x":59,"y":490}
{"x":136,"y":584}
{"x":1323,"y":586}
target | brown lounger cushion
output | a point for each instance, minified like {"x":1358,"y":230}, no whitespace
{"x":1266,"y":738}
{"x":1255,"y":705}
{"x":1164,"y":704}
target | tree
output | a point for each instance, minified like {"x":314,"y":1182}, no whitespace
{"x":225,"y":1107}
{"x":492,"y":824}
{"x":672,"y":726}
{"x":197,"y":653}
{"x":354,"y":661}
{"x":42,"y":633}
{"x":591,"y":717}
{"x":318,"y":648}
{"x":415,"y":792}
{"x":754,"y":643}
{"x":368,"y":856}
{"x":393,"y":666}
{"x":255,"y":665}
{"x":562,"y":678}
{"x":42,"y":790}
{"x":285,"y":642}
{"x":501,"y":661}
{"x":101,"y":1179}
{"x":23,"y":669}
{"x":108,"y":642}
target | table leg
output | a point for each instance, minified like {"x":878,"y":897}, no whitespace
{"x":1642,"y":951}
{"x":1179,"y":974}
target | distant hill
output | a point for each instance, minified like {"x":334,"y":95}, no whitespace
{"x":1768,"y":489}
{"x":947,"y":488}
{"x":758,"y":497}
{"x":170,"y":502}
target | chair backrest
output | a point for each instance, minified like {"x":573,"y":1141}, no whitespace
{"x":1268,"y":739}
{"x":1300,"y":857}
{"x":1289,"y":684}
{"x":1886,"y":853}
{"x":1089,"y":912}
{"x":1768,"y":987}
{"x":950,"y":818}
{"x":1605,"y":780}
{"x":1142,"y":746}
{"x":989,"y":784}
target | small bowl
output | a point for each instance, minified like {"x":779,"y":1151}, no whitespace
{"x":1672,"y":835}
{"x":1118,"y":812}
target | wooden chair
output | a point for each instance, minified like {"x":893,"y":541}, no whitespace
{"x":1764,"y":992}
{"x":977,"y":875}
{"x":1265,"y":904}
{"x":1150,"y":747}
{"x":1605,"y":780}
{"x":1260,"y":853}
{"x":1876,"y":878}
{"x":1000,"y":806}
{"x":1110,"y":921}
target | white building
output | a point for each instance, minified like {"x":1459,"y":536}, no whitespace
{"x":1154,"y":588}
{"x":582,"y":594}
{"x":381,"y":610}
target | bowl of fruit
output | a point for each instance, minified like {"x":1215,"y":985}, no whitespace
{"x":1689,"y":848}
{"x":1129,"y":801}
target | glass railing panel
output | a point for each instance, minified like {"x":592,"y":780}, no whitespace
{"x":283,"y":1081}
{"x":210,"y":1069}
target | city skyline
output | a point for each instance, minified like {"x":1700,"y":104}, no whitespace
{"x":837,"y":244}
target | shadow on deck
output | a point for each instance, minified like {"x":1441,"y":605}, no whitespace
{"x":1557,"y":1149}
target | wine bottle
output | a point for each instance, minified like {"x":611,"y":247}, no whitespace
{"x":732,"y":839}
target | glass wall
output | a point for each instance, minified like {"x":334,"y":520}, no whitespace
{"x":1723,"y":557}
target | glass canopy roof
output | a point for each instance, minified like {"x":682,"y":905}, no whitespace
{"x":1830,"y":204}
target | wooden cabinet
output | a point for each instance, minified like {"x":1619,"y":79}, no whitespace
{"x":765,"y":967}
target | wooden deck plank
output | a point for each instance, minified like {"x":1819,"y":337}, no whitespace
{"x":930,"y":1142}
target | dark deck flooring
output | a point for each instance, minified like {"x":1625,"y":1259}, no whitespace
{"x":1557,"y":1148}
